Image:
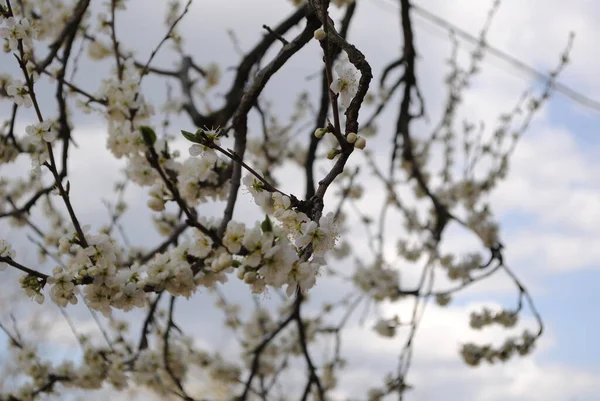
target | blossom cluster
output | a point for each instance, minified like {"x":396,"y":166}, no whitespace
{"x":387,"y":327}
{"x":378,"y":281}
{"x":461,"y":270}
{"x":17,"y":30}
{"x":260,"y":324}
{"x":487,"y":317}
{"x":272,"y":253}
{"x":100,"y":365}
{"x":473,"y":354}
{"x":277,"y":252}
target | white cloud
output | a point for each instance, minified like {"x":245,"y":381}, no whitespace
{"x":554,"y":179}
{"x":438,"y":372}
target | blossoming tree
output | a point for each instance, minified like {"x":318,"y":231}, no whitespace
{"x":299,"y":239}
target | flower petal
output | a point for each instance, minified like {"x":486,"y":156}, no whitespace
{"x":336,"y":86}
{"x":196,"y":150}
{"x":346,"y":98}
{"x":49,"y":136}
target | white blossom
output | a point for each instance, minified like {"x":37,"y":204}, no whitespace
{"x":19,"y":92}
{"x":16,"y":30}
{"x":234,"y":235}
{"x":346,"y":83}
{"x":256,"y":189}
{"x":6,"y":251}
{"x":41,"y":132}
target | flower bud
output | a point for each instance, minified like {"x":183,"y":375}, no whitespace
{"x":320,"y":34}
{"x":39,"y":298}
{"x":360,"y":143}
{"x":320,"y":132}
{"x":156,"y":204}
{"x":351,"y":137}
{"x":332,"y":154}
{"x":442,"y":299}
{"x":250,"y":277}
{"x":223,"y":262}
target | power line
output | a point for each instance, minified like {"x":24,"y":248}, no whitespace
{"x":571,"y":93}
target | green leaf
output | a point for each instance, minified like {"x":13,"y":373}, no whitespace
{"x":189,"y":136}
{"x":266,"y":226}
{"x":148,"y":134}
